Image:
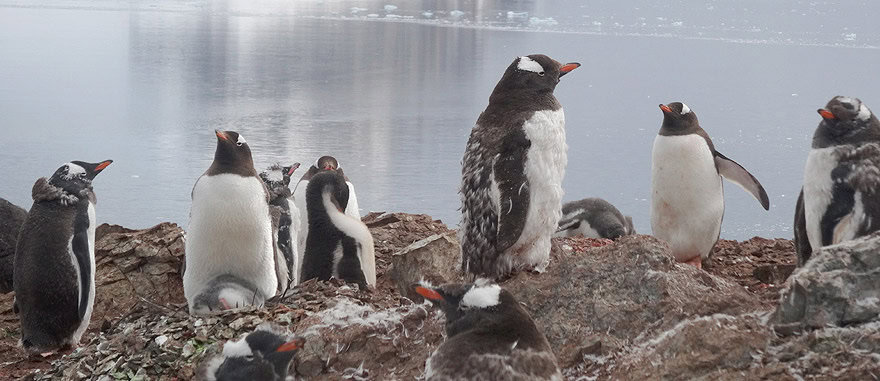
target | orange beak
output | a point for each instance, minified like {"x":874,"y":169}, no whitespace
{"x":221,"y":135}
{"x":428,"y":293}
{"x":826,"y":114}
{"x":292,"y":168}
{"x":568,"y":67}
{"x":291,"y":345}
{"x":103,"y":165}
{"x":665,"y":108}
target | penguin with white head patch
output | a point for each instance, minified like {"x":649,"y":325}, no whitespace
{"x":230,"y":231}
{"x":262,"y":355}
{"x":54,"y":277}
{"x":489,"y":336}
{"x":285,"y":222}
{"x":687,"y":202}
{"x":839,"y":200}
{"x":337,"y":245}
{"x":514,"y":162}
{"x":324,"y":163}
{"x":593,"y":218}
{"x":11,"y":218}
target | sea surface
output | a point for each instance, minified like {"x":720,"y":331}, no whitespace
{"x":392,"y":89}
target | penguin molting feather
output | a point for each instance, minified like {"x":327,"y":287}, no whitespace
{"x":262,"y":355}
{"x":593,"y":218}
{"x":512,"y":170}
{"x":54,"y":277}
{"x":285,"y":223}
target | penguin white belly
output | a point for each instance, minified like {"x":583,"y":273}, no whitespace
{"x":84,"y":324}
{"x":586,"y":230}
{"x":299,"y":200}
{"x":230,"y":232}
{"x":544,"y":168}
{"x":818,"y":187}
{"x":687,"y":203}
{"x":294,"y":240}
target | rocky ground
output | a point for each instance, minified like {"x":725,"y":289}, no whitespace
{"x":611,"y":310}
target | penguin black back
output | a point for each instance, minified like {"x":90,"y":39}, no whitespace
{"x":11,"y":219}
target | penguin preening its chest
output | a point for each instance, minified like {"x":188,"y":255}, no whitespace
{"x":839,"y":200}
{"x":593,"y":218}
{"x":11,"y":219}
{"x":687,"y":202}
{"x":230,"y":232}
{"x":512,"y":172}
{"x":337,"y":245}
{"x":489,"y":336}
{"x":262,"y":355}
{"x":285,"y":222}
{"x":324,"y":163}
{"x":54,"y":278}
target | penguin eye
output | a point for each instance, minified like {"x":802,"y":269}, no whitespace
{"x":238,"y":144}
{"x":541,"y":73}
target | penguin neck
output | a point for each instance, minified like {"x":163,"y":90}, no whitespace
{"x":243,"y":167}
{"x":827,"y":136}
{"x":522,"y":99}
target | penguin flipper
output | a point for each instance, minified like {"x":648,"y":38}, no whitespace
{"x":80,"y":246}
{"x":513,"y":187}
{"x":734,"y":172}
{"x":801,"y":242}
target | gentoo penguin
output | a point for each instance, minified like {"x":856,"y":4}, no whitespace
{"x":285,"y":222}
{"x":511,"y":187}
{"x":593,"y":218}
{"x":841,"y":178}
{"x":489,"y":336}
{"x":337,"y":245}
{"x":230,"y":229}
{"x":687,"y":202}
{"x":262,"y":355}
{"x":324,"y":163}
{"x":54,"y":277}
{"x":11,"y":219}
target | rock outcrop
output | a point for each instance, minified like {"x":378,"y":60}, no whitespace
{"x":611,"y":310}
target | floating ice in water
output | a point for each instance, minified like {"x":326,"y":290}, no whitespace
{"x":428,"y":14}
{"x":373,"y":15}
{"x":390,"y":8}
{"x":456,"y":13}
{"x":677,"y":23}
{"x":597,"y":23}
{"x":355,"y":10}
{"x":517,"y":15}
{"x":535,"y":21}
{"x":849,"y":36}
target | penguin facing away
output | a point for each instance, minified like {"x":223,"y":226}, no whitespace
{"x":11,"y":219}
{"x":337,"y":244}
{"x":489,"y":336}
{"x":324,"y":163}
{"x":230,"y":230}
{"x":285,"y":222}
{"x":54,"y":278}
{"x":687,"y":203}
{"x":512,"y":172}
{"x":262,"y":355}
{"x":593,"y":218}
{"x":841,"y":178}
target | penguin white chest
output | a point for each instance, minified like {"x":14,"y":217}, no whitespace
{"x":230,"y":232}
{"x":818,"y":187}
{"x":687,"y":200}
{"x":544,"y":168}
{"x":90,"y":233}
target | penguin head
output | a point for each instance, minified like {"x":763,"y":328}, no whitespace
{"x":534,"y":72}
{"x":76,"y":176}
{"x":232,"y":149}
{"x":678,"y":116}
{"x":277,"y":179}
{"x":466,"y":304}
{"x":262,"y":355}
{"x":845,"y":120}
{"x":327,"y":163}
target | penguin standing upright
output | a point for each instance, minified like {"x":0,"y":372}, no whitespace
{"x":230,"y":232}
{"x":593,"y":218}
{"x":687,"y":202}
{"x":262,"y":355}
{"x":839,"y":200}
{"x":324,"y":163}
{"x":285,"y":222}
{"x":11,"y":219}
{"x":54,"y":277}
{"x":489,"y":336}
{"x":511,"y":188}
{"x":337,"y":245}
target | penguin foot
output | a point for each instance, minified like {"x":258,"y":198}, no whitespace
{"x":696,"y":262}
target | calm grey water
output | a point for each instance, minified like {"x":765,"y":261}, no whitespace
{"x":393,"y":92}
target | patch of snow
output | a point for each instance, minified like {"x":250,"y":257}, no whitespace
{"x":356,"y":10}
{"x":373,"y":15}
{"x":849,"y":37}
{"x":428,"y":14}
{"x":517,"y":15}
